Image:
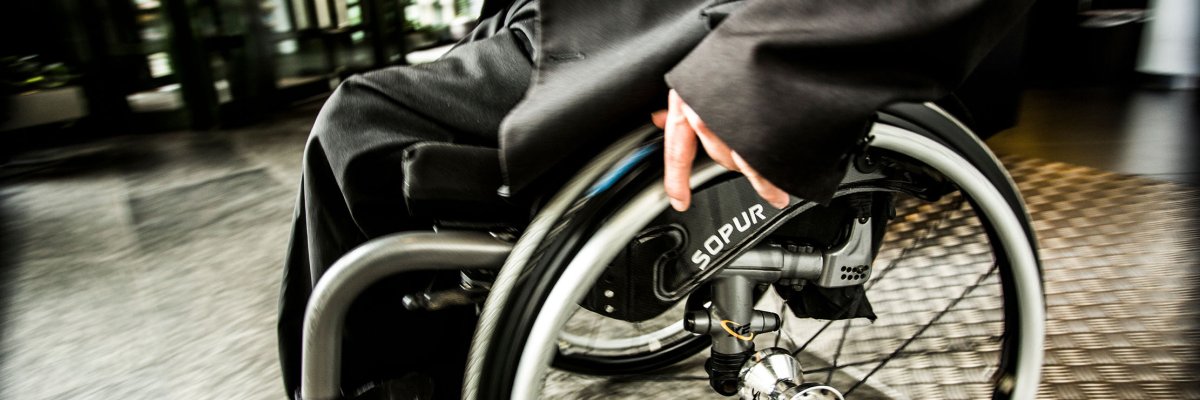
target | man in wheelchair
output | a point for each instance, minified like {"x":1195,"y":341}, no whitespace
{"x":507,"y":127}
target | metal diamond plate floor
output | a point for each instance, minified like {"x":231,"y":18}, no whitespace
{"x":1120,"y":259}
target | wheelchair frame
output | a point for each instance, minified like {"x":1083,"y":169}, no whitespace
{"x":321,"y":359}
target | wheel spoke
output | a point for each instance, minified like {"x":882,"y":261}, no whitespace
{"x":841,"y":342}
{"x":922,"y":330}
{"x":903,"y":354}
{"x":931,"y":230}
{"x":932,"y":226}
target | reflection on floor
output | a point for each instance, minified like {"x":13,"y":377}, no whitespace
{"x":1147,"y":132}
{"x":147,"y":267}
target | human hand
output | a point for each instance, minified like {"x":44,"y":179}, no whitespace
{"x":682,"y":127}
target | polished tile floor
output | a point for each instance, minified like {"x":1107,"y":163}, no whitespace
{"x":146,"y":267}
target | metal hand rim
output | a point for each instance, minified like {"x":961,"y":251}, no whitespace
{"x":615,"y":344}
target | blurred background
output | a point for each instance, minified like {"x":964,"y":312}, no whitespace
{"x":157,"y":65}
{"x":150,"y":150}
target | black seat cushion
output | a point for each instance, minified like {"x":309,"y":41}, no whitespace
{"x":455,"y":185}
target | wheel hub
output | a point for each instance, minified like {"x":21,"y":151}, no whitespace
{"x":774,"y":374}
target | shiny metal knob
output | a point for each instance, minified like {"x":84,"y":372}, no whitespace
{"x":774,"y":374}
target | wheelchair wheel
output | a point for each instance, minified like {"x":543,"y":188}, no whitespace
{"x":939,"y":294}
{"x":1005,"y":328}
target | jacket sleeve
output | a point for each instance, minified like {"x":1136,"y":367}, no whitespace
{"x":793,"y":85}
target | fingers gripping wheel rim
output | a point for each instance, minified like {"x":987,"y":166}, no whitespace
{"x":584,"y":261}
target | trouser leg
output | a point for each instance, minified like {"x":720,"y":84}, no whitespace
{"x":352,"y":190}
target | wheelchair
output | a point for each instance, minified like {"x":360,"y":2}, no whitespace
{"x":604,"y":280}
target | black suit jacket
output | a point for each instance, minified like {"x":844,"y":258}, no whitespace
{"x":791,"y":85}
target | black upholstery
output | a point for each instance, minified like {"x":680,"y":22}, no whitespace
{"x":455,"y":185}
